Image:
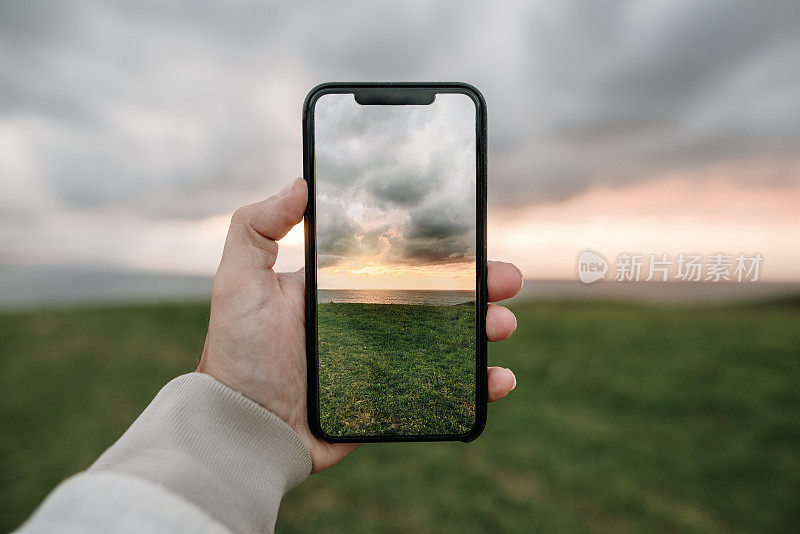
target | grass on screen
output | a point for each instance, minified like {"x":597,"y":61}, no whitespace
{"x":389,"y":369}
{"x":626,"y":418}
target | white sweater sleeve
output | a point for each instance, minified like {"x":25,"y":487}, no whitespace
{"x":200,"y":458}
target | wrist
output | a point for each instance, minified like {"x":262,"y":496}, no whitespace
{"x":209,"y":443}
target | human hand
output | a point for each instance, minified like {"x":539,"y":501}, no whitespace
{"x":256,"y":334}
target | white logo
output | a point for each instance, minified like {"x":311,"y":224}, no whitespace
{"x":591,"y":267}
{"x":686,"y":267}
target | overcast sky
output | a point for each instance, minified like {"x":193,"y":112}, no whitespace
{"x":130,"y":131}
{"x":395,"y":190}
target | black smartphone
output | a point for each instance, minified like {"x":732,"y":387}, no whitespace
{"x":395,"y":235}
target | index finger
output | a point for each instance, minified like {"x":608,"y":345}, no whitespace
{"x":504,"y":280}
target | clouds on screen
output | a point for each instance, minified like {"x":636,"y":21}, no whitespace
{"x":396,"y":182}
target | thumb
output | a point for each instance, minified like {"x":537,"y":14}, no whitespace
{"x":255,"y":228}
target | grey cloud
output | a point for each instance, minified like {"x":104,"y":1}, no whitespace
{"x":327,"y":260}
{"x":402,"y":189}
{"x":440,"y":233}
{"x":407,"y":176}
{"x":339,"y":236}
{"x":336,"y":232}
{"x":624,"y":92}
{"x":597,"y":89}
{"x":439,"y":222}
{"x":370,"y":47}
{"x":189,"y":109}
{"x":373,"y":241}
{"x":140,"y":110}
{"x":437,"y":252}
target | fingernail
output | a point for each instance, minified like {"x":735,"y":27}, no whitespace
{"x":521,"y":276}
{"x":286,"y":190}
{"x":512,"y":376}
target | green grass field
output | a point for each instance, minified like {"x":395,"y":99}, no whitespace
{"x":626,"y":418}
{"x":388,"y":369}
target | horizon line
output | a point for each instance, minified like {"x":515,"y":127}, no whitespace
{"x":389,"y":289}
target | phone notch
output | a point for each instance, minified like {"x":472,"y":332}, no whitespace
{"x":395,"y":97}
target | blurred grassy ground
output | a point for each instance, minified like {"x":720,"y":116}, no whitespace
{"x":625,"y":418}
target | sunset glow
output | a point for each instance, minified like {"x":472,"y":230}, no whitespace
{"x":720,"y":208}
{"x":369,"y":273}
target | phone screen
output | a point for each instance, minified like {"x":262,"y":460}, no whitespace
{"x":396,"y":236}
